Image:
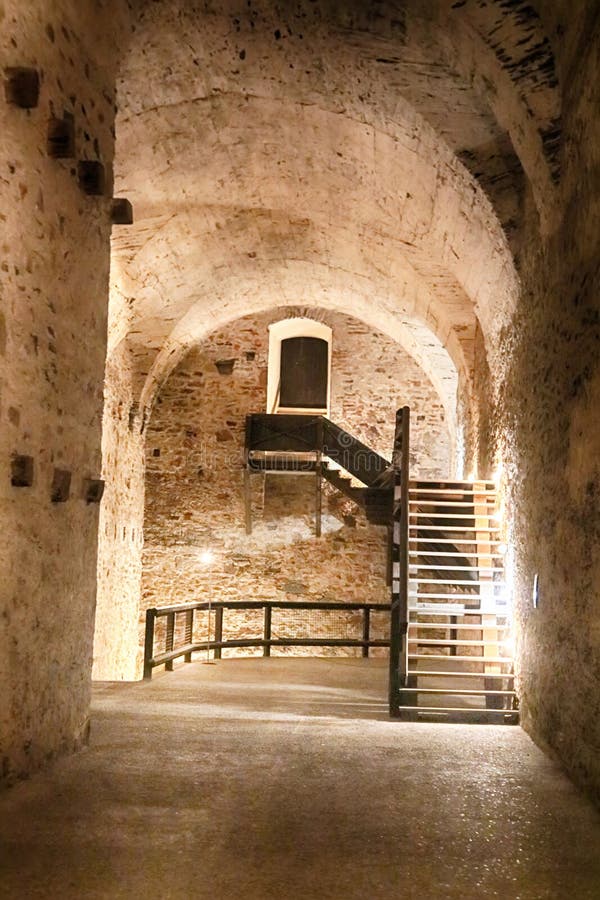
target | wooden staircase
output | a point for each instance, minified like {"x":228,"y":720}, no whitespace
{"x":376,"y":501}
{"x":459,"y":662}
{"x":313,"y":445}
{"x":450,"y":654}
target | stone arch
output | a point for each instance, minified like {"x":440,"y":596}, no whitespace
{"x":413,"y":335}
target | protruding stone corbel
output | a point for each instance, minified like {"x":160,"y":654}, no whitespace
{"x":61,"y":486}
{"x":225,"y":366}
{"x":61,"y":137}
{"x":93,"y":490}
{"x":121,"y":211}
{"x":21,"y":471}
{"x":22,"y":87}
{"x":91,"y":177}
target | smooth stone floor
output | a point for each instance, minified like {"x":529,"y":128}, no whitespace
{"x":284,"y":778}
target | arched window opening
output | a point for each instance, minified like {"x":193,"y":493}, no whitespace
{"x":299,"y":367}
{"x":303,"y":373}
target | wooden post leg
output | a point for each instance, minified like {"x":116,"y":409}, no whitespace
{"x":247,"y":501}
{"x":390,"y":556}
{"x":189,"y":632}
{"x":267,"y":630}
{"x":489,"y":620}
{"x":149,"y":642}
{"x":366,"y":631}
{"x":169,"y":636}
{"x":318,"y":495}
{"x":411,"y":681}
{"x":218,"y":630}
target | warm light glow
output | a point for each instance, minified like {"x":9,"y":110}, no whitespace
{"x":509,"y":646}
{"x":206,"y":557}
{"x":497,"y":476}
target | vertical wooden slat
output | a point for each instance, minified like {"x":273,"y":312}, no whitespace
{"x":169,"y":639}
{"x":390,"y":556}
{"x":247,"y":500}
{"x":319,"y":479}
{"x":149,"y":642}
{"x":267,"y":629}
{"x":247,"y":485}
{"x":318,"y":494}
{"x":366,"y":631}
{"x":189,"y":631}
{"x":218,"y":630}
{"x":452,"y":633}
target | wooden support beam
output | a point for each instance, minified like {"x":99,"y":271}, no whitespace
{"x":489,"y":620}
{"x":318,"y":493}
{"x":247,"y":486}
{"x":247,"y":500}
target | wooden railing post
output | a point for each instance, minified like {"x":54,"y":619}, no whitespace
{"x":169,"y":640}
{"x":218,"y":631}
{"x":267,"y":630}
{"x":399,"y":611}
{"x":366,"y":631}
{"x":149,"y":642}
{"x":247,"y":485}
{"x":319,"y":479}
{"x":189,"y":631}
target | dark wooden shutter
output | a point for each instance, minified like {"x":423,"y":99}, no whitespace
{"x":304,"y":372}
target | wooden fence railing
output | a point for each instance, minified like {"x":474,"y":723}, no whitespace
{"x":180,"y":636}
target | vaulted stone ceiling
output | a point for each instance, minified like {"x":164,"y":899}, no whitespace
{"x":369,"y":157}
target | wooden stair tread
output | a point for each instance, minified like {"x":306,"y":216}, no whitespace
{"x":456,"y":714}
{"x":418,"y":501}
{"x":442,"y":610}
{"x":456,"y":642}
{"x":458,"y":692}
{"x":489,"y":529}
{"x":470,"y":582}
{"x":483,"y":660}
{"x":456,"y":626}
{"x":457,"y":553}
{"x":449,"y":673}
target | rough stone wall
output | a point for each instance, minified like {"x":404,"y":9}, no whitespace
{"x":194,"y":496}
{"x":484,"y":448}
{"x":53,"y":294}
{"x":549,"y":422}
{"x":116,"y":646}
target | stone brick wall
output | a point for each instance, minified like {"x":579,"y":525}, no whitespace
{"x":548,"y":422}
{"x":117,"y":655}
{"x":54,"y":263}
{"x":540,"y":372}
{"x":194,"y":497}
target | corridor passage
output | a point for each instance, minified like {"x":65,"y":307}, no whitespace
{"x":280,"y":778}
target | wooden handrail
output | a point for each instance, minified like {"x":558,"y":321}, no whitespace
{"x":266,"y":641}
{"x":296,"y":434}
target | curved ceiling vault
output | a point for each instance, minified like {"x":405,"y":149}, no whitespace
{"x":303,"y":154}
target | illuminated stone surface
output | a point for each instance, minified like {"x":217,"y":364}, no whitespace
{"x":430,"y":170}
{"x":277,"y":778}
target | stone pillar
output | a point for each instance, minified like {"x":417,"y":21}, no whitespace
{"x":56,"y":152}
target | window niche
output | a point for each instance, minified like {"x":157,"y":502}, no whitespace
{"x":299,"y":367}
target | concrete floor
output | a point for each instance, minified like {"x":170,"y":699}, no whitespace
{"x":283,"y":778}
